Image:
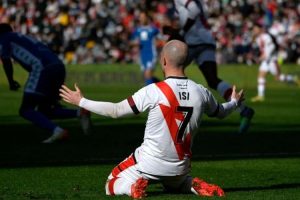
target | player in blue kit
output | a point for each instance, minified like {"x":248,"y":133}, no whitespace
{"x":41,"y":92}
{"x":145,"y":37}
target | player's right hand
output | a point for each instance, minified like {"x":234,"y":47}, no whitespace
{"x":14,"y":85}
{"x":71,"y":96}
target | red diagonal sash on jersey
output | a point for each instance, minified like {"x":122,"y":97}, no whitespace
{"x":170,"y":115}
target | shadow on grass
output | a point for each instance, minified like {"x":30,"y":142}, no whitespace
{"x":158,"y":190}
{"x":258,"y":188}
{"x":112,"y":141}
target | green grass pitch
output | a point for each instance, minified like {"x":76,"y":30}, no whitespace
{"x":261,"y":164}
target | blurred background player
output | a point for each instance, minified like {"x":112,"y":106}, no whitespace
{"x":194,"y":31}
{"x":268,"y":48}
{"x":40,"y":100}
{"x":175,"y":107}
{"x":144,"y":36}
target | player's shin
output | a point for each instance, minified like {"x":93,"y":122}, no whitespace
{"x":261,"y":87}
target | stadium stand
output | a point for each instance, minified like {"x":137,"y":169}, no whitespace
{"x":97,"y":31}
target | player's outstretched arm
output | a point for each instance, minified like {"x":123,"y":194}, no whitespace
{"x":224,"y":109}
{"x":236,"y":99}
{"x":106,"y":109}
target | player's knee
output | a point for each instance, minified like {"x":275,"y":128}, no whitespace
{"x":113,"y":189}
{"x":107,"y":192}
{"x":261,"y":81}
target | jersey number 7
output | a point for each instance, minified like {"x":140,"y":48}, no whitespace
{"x":187,"y":112}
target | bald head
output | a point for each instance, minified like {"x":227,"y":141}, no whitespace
{"x":175,"y":53}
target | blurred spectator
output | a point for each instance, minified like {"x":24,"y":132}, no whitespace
{"x":93,"y":31}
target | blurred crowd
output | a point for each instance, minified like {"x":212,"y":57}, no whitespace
{"x":232,"y":23}
{"x":98,"y":31}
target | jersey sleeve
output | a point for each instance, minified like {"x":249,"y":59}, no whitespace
{"x":107,"y":109}
{"x":212,"y":105}
{"x":143,"y":99}
{"x":215,"y":109}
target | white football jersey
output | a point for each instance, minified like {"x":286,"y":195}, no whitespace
{"x":266,"y":46}
{"x":175,"y":108}
{"x":199,"y":32}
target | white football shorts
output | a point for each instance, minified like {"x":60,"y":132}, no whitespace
{"x":270,"y":66}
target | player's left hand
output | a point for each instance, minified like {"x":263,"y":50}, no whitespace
{"x":14,"y":85}
{"x":71,"y":96}
{"x":239,"y":96}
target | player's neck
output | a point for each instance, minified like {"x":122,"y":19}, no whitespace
{"x":175,"y":73}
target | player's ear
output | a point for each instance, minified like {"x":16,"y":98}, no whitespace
{"x":164,"y":61}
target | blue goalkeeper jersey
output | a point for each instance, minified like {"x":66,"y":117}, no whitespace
{"x":146,"y":36}
{"x":30,"y":53}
